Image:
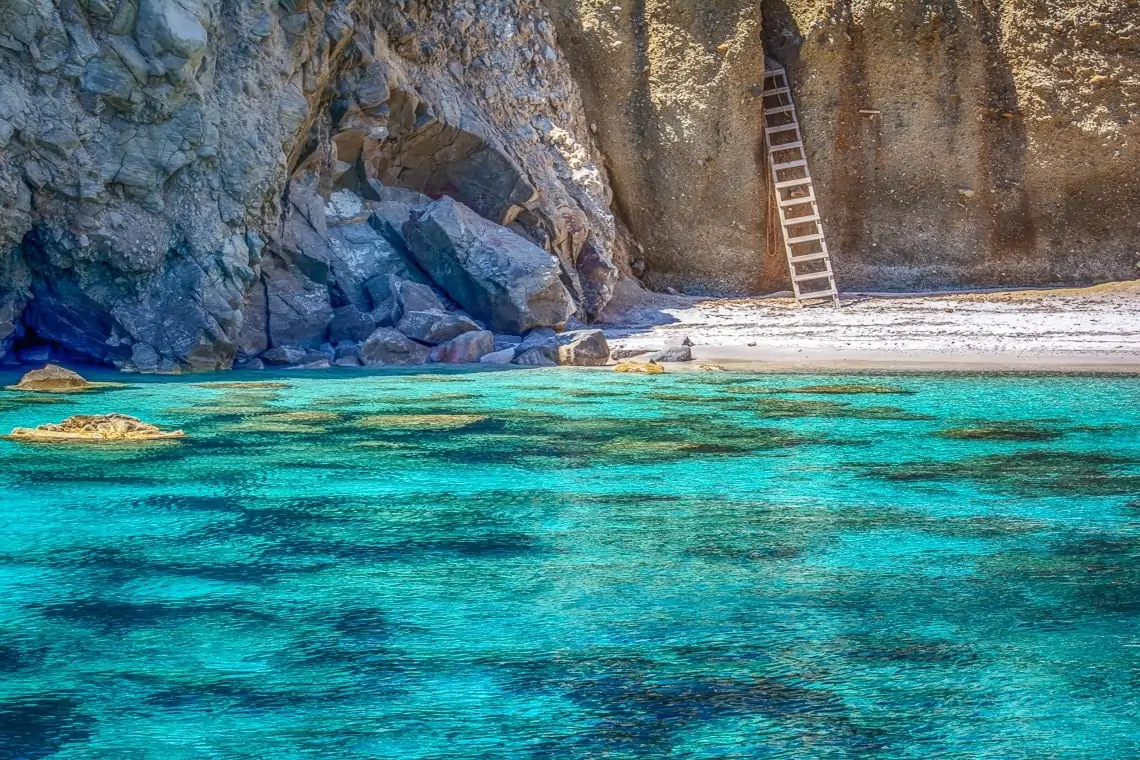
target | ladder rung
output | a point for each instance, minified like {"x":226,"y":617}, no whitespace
{"x":785,"y":146}
{"x":805,"y":238}
{"x":818,"y":294}
{"x":798,"y":201}
{"x":793,"y":183}
{"x":792,"y":221}
{"x":782,"y":128}
{"x":814,"y":276}
{"x":809,"y":257}
{"x":789,"y":165}
{"x":778,"y":110}
{"x":777,"y":91}
{"x":774,"y":72}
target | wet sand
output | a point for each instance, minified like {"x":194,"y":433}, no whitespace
{"x":1093,"y":329}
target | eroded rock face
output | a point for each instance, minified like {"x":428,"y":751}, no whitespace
{"x":499,"y":277}
{"x":672,"y":89}
{"x":171,"y":170}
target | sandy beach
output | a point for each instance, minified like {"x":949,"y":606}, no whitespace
{"x":1094,"y":329}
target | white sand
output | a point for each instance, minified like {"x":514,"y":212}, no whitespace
{"x":1091,"y":329}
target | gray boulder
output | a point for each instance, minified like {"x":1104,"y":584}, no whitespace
{"x":284,"y":356}
{"x":391,"y":296}
{"x":586,"y":348}
{"x":503,"y":356}
{"x":358,"y":255}
{"x":434,"y":327}
{"x":347,"y":355}
{"x":497,"y":276}
{"x":388,"y":346}
{"x":536,"y":357}
{"x":672,"y":354}
{"x":468,"y":348}
{"x":507,"y":341}
{"x":350,"y":324}
{"x":541,"y":342}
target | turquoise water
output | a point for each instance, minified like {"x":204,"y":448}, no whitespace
{"x":559,"y":564}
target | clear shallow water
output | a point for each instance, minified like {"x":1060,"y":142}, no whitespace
{"x":557,"y":564}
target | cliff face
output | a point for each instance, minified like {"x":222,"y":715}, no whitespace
{"x":165,"y":165}
{"x":673,"y":88}
{"x":1005,"y":149}
{"x":186,"y":183}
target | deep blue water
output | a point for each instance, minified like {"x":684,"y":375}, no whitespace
{"x":561,"y":564}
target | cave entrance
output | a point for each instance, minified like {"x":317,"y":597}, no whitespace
{"x":417,"y":150}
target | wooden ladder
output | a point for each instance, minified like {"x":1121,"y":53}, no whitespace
{"x":809,"y":261}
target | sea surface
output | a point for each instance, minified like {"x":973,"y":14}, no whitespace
{"x":576,"y":564}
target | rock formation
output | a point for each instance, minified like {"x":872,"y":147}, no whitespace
{"x":56,"y":379}
{"x":103,"y":428}
{"x":171,"y":169}
{"x":193,"y":183}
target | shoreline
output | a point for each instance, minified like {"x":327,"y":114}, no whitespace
{"x":1094,"y":330}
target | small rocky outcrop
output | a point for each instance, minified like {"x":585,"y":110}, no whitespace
{"x":499,"y":277}
{"x":110,"y":428}
{"x":640,"y":368}
{"x":56,"y":379}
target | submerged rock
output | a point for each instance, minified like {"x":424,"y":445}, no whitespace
{"x":56,"y":379}
{"x":100,"y":428}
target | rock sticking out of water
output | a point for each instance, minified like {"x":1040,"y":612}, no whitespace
{"x":56,"y":379}
{"x":640,"y":368}
{"x":96,"y":428}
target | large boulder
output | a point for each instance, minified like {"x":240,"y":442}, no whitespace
{"x":351,"y":324}
{"x":468,"y":348}
{"x":388,"y":346}
{"x":434,"y":326}
{"x":585,"y":348}
{"x":391,"y":296}
{"x":494,"y":274}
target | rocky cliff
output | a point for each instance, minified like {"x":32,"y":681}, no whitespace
{"x":192,"y":183}
{"x":168,"y":168}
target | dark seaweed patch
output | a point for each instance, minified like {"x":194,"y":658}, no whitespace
{"x":777,"y":408}
{"x":1002,"y":431}
{"x":39,"y":726}
{"x":940,"y":652}
{"x":112,"y":614}
{"x":1031,"y":473}
{"x":852,"y":389}
{"x":745,"y":554}
{"x":641,"y":710}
